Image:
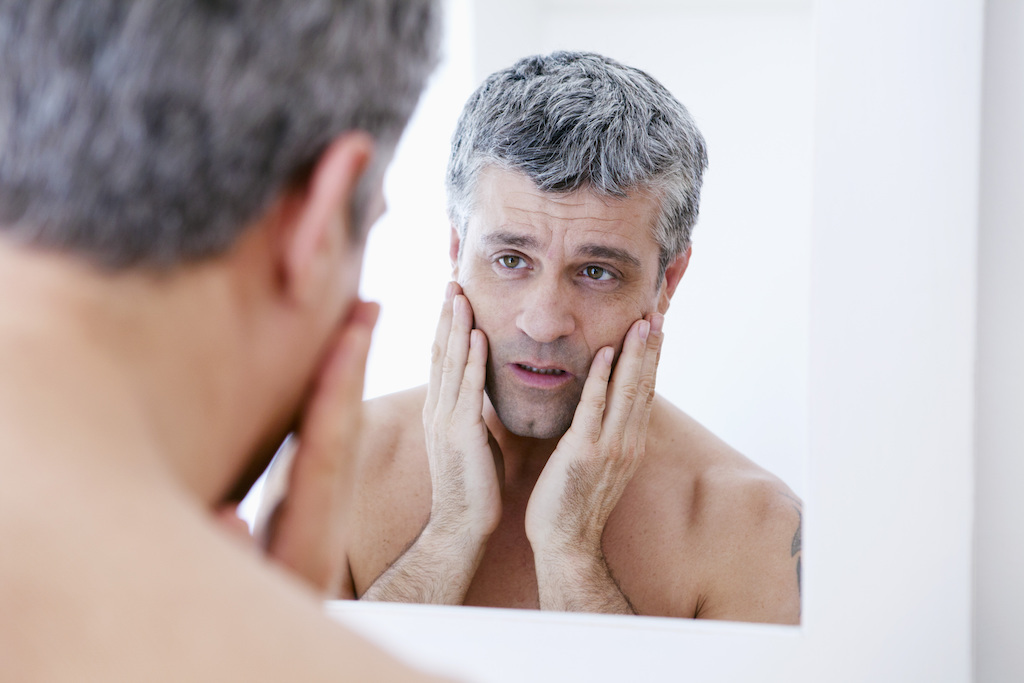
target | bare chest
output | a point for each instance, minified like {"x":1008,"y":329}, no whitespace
{"x":647,"y":548}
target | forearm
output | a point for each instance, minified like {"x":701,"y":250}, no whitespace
{"x":436,"y":569}
{"x":571,"y":583}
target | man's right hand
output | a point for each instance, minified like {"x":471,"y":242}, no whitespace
{"x":466,"y":470}
{"x":465,"y":462}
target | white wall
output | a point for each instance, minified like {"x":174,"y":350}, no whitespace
{"x":999,"y":539}
{"x":893,"y":282}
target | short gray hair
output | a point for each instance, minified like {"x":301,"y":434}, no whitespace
{"x":152,"y":132}
{"x":578,"y":120}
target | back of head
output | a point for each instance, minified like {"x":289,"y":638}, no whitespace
{"x":574,"y":120}
{"x":151,"y":132}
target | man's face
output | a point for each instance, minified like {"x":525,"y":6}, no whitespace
{"x":552,"y":279}
{"x":312,"y":329}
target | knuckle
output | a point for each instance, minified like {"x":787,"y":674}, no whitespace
{"x":448,"y":365}
{"x":630,"y":392}
{"x":435,"y":352}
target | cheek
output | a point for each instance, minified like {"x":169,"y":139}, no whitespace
{"x":606,"y":322}
{"x":482,"y":295}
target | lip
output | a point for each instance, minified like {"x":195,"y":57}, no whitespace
{"x":538,"y":380}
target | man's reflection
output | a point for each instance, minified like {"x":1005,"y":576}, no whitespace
{"x":538,"y":468}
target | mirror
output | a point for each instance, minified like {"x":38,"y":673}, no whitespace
{"x":736,"y":353}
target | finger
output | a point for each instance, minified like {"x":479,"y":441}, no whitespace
{"x":440,"y":345}
{"x":336,"y":403}
{"x":590,"y":410}
{"x":307,"y":534}
{"x":641,"y":412}
{"x":454,"y":366}
{"x":471,"y":394}
{"x":623,"y":389}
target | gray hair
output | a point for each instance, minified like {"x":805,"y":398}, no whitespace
{"x":152,"y":132}
{"x":577,"y":120}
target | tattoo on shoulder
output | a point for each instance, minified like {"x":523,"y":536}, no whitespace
{"x":796,"y":546}
{"x":701,"y":601}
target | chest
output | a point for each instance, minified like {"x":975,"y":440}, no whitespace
{"x":647,"y":545}
{"x":506,"y":576}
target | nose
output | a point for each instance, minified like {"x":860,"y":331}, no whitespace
{"x":547,"y":312}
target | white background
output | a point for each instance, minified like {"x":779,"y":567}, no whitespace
{"x":913,"y":549}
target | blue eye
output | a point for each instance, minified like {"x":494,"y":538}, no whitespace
{"x":597,"y":273}
{"x":512,"y":261}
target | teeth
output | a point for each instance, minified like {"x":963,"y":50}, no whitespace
{"x":539,"y":371}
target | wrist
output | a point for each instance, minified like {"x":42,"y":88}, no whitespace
{"x":577,"y":557}
{"x":449,"y":536}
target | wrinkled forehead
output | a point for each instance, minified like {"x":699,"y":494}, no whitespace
{"x":509,"y":202}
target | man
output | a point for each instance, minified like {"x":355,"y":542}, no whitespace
{"x":545,"y":472}
{"x":185,"y":191}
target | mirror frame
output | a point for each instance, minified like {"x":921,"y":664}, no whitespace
{"x":888,"y":537}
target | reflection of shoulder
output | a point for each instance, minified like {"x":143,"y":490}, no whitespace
{"x":721,"y":476}
{"x":393,"y":425}
{"x":745,"y":520}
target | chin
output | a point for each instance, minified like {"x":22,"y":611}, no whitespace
{"x":532,"y":420}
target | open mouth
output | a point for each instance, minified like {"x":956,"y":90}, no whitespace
{"x":541,"y":371}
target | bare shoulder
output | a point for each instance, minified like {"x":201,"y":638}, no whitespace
{"x":187,"y":603}
{"x":392,"y":491}
{"x":392,"y":433}
{"x":389,"y":420}
{"x":745,"y":521}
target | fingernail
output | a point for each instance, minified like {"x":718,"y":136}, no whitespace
{"x":645,"y":329}
{"x":609,"y":353}
{"x":449,"y":291}
{"x":657,"y":322}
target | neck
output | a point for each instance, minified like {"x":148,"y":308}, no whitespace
{"x":524,"y":457}
{"x":151,"y":355}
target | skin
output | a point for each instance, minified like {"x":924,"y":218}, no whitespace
{"x":580,"y":491}
{"x":167,"y":390}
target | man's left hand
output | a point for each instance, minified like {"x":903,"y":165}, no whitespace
{"x":302,"y":517}
{"x":596,"y":458}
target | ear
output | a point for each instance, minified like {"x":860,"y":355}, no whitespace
{"x":673,"y":274}
{"x":315,"y":228}
{"x":454,"y":247}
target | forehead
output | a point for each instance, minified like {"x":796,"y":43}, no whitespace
{"x":509,"y":201}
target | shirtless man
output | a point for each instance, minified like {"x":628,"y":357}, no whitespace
{"x":538,"y":468}
{"x":185,"y":191}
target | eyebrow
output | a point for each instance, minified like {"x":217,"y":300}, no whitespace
{"x":601,"y":251}
{"x":597,"y":251}
{"x":509,"y":239}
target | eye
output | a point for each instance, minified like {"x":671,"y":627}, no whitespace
{"x":597,"y":273}
{"x":512,"y":261}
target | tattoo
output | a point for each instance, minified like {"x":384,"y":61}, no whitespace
{"x":795,"y":548}
{"x":701,"y":601}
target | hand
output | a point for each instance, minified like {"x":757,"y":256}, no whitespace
{"x":466,"y":468}
{"x":313,"y":477}
{"x":596,"y":458}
